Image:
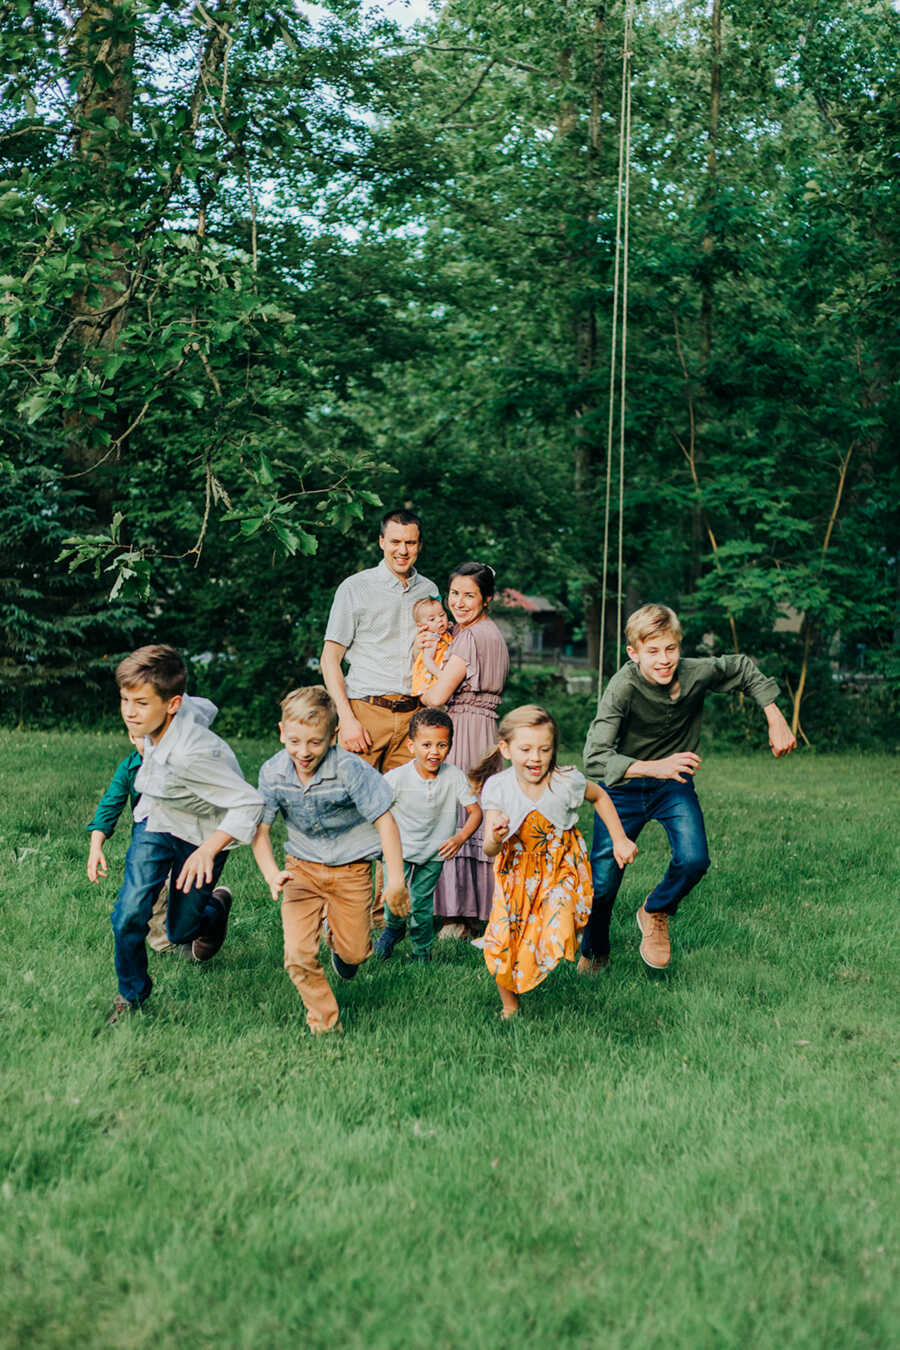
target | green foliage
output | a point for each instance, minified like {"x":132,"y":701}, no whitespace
{"x":260,"y":273}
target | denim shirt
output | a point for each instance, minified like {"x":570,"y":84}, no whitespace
{"x":329,"y":818}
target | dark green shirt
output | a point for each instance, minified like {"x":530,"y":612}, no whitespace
{"x":639,"y":720}
{"x":117,"y":794}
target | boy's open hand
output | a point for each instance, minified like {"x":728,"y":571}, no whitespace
{"x":450,"y":847}
{"x":397,"y":900}
{"x":676,"y":766}
{"x":197,"y":870}
{"x":624,"y":851}
{"x":96,"y":863}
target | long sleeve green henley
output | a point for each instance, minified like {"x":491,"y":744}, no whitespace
{"x":117,"y":795}
{"x":638,"y":720}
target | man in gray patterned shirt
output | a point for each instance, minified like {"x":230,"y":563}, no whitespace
{"x":371,"y":625}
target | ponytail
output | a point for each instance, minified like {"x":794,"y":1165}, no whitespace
{"x":486,"y":767}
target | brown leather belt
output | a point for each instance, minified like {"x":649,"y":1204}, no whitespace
{"x":403,"y":703}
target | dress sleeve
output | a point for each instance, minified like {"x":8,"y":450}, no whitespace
{"x":466,"y":648}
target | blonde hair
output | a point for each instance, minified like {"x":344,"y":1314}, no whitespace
{"x":529,"y":715}
{"x":311,"y":704}
{"x":650,"y":621}
{"x":419,"y":606}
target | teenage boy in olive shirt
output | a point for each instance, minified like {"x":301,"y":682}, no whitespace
{"x":642,"y":746}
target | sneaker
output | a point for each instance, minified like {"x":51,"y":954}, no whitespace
{"x":592,"y":965}
{"x":385,"y":944}
{"x":342,"y":967}
{"x":120,"y":1011}
{"x":655,"y":949}
{"x":205,"y":948}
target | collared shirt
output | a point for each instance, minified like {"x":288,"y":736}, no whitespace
{"x":563,"y":798}
{"x":640,"y":720}
{"x":329,"y":819}
{"x":371,"y":616}
{"x":116,"y":796}
{"x":425,"y":809}
{"x":191,"y":783}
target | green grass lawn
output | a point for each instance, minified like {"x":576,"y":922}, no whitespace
{"x":702,"y":1159}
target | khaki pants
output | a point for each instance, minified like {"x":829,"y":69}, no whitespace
{"x":343,"y":895}
{"x":389,"y":732}
{"x":157,"y":936}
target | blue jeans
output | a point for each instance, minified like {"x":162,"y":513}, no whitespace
{"x":676,"y":807}
{"x":194,"y":913}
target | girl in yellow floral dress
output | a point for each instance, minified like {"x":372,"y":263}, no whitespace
{"x":542,"y":876}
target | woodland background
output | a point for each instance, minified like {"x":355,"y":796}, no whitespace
{"x":266,"y":267}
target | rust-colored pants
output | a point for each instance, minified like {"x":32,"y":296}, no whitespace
{"x":343,"y":895}
{"x":389,"y":732}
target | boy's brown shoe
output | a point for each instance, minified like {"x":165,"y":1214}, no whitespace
{"x":120,"y":1011}
{"x":205,"y":948}
{"x":655,"y":949}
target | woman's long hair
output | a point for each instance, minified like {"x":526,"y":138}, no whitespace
{"x":529,"y":715}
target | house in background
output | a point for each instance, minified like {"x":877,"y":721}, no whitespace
{"x":533,"y":627}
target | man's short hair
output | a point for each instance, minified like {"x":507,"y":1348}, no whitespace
{"x":310,"y":705}
{"x":159,"y":666}
{"x":430,"y":717}
{"x":401,"y":518}
{"x":419,"y":606}
{"x":649,"y":621}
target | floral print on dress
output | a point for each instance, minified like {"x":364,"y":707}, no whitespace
{"x":542,"y":901}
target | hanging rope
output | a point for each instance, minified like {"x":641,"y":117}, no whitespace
{"x":618,"y":347}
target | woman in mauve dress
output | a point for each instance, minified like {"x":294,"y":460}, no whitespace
{"x":470,"y":682}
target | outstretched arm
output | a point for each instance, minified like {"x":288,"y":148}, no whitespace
{"x":352,"y":735}
{"x":496,"y":828}
{"x":624,"y":850}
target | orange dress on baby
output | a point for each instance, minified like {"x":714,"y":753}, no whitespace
{"x":542,"y":880}
{"x":422,"y":677}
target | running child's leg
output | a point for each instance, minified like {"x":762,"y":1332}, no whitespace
{"x":147,"y":865}
{"x":509,"y":999}
{"x":421,"y":880}
{"x":677,"y":808}
{"x":196,"y":913}
{"x":303,"y":906}
{"x":606,"y":872}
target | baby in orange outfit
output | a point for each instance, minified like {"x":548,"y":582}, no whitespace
{"x":431,"y":618}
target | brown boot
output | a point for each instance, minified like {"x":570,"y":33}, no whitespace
{"x":654,"y":926}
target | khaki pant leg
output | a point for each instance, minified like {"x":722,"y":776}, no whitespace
{"x":157,"y":937}
{"x":349,"y":904}
{"x":379,"y":723}
{"x":302,"y":907}
{"x":397,"y":751}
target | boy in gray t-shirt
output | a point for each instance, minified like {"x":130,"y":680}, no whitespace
{"x":427,"y":796}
